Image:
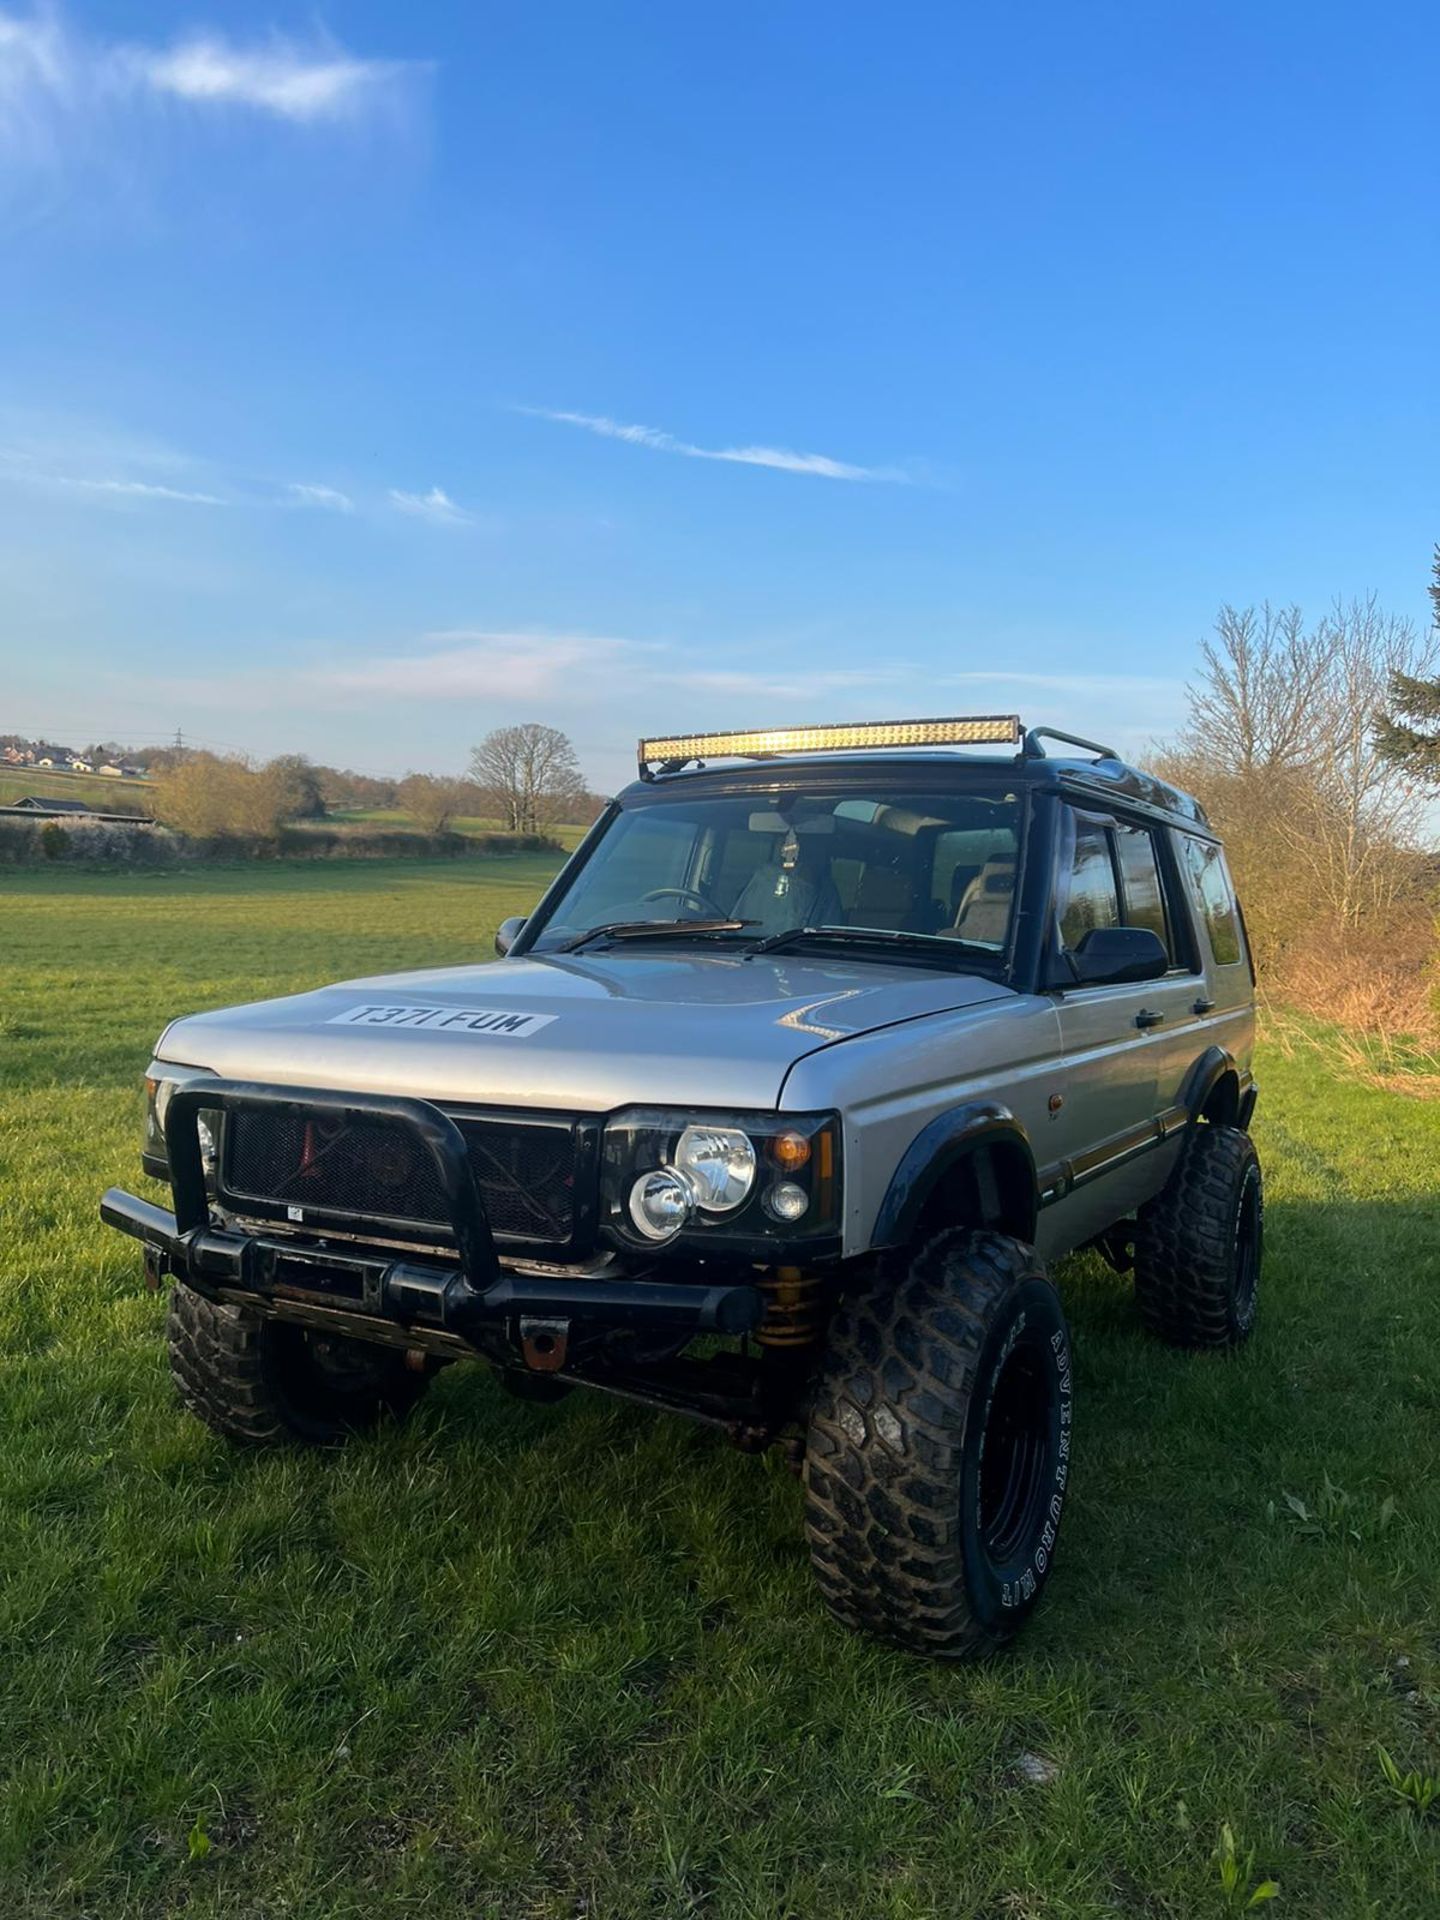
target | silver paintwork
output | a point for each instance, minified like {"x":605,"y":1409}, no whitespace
{"x":889,"y":1047}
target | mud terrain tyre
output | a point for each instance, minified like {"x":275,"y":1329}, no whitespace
{"x":938,"y":1449}
{"x":259,"y":1382}
{"x":1200,"y":1241}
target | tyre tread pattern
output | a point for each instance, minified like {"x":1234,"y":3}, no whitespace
{"x":1185,"y":1242}
{"x":217,"y":1362}
{"x":884,"y":1453}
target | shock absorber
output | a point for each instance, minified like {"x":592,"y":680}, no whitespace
{"x":794,"y":1308}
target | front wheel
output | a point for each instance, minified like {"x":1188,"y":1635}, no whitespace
{"x":258,"y":1381}
{"x":938,"y":1449}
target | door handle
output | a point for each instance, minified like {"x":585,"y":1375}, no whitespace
{"x":1202,"y":1005}
{"x":1145,"y":1018}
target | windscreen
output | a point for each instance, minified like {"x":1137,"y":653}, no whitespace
{"x":933,"y":864}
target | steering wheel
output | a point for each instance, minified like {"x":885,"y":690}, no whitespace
{"x":696,"y":898}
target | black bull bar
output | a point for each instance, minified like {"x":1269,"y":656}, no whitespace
{"x":469,"y":1299}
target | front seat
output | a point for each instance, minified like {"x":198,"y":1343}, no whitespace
{"x":984,"y":914}
{"x":785,"y":893}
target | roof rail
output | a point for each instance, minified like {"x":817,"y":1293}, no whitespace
{"x":1034,"y":751}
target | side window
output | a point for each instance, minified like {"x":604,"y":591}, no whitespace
{"x":1144,"y":902}
{"x":1215,"y":897}
{"x":1087,"y":896}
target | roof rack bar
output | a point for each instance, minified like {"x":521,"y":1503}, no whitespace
{"x":1034,"y":750}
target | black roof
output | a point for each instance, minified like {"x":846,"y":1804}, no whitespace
{"x":36,"y":807}
{"x":1104,"y":781}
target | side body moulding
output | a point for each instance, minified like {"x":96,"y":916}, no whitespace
{"x":974,"y":1159}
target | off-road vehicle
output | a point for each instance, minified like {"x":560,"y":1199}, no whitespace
{"x":821,"y":1046}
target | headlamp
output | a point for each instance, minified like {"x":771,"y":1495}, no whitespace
{"x":721,"y":1164}
{"x":737,"y":1181}
{"x":161,"y":1082}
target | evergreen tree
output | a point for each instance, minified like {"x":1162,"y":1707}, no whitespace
{"x":1409,"y":734}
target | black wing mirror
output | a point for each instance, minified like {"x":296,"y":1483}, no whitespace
{"x":1109,"y":956}
{"x":507,"y":933}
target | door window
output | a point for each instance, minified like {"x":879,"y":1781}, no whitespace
{"x":1144,"y":901}
{"x":1089,"y":897}
{"x":1215,"y":897}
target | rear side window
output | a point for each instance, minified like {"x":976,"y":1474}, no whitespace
{"x":1215,"y":897}
{"x":1088,"y":896}
{"x":1144,"y":902}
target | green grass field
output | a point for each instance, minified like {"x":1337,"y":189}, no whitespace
{"x":517,"y":1662}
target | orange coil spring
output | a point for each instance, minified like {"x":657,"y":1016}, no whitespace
{"x":794,"y":1308}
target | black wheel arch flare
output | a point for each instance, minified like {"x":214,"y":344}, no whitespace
{"x":977,"y":1153}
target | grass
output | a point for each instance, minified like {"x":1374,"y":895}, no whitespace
{"x":396,"y":819}
{"x":107,"y":792}
{"x":517,"y":1662}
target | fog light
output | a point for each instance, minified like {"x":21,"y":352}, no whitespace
{"x":660,"y":1203}
{"x":205,"y":1127}
{"x":787,"y":1201}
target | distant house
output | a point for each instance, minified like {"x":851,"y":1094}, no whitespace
{"x":81,"y":766}
{"x":46,"y":762}
{"x":114,"y":772}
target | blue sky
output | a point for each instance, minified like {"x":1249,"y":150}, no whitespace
{"x":373,"y":378}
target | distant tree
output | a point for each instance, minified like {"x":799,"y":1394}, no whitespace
{"x":433,"y":802}
{"x":299,"y":781}
{"x":207,"y":794}
{"x":530,"y":774}
{"x":342,"y":788}
{"x":1407,"y":735}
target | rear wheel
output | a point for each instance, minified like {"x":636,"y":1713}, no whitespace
{"x":1199,"y":1243}
{"x":939,"y":1448}
{"x":259,"y":1381}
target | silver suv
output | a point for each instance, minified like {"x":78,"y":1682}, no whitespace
{"x":817,"y":1051}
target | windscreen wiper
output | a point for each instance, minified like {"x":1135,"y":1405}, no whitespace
{"x":927,"y":943}
{"x":647,"y":929}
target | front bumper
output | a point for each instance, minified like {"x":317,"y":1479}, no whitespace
{"x":468,"y":1301}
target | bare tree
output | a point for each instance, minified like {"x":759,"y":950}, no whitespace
{"x":433,"y":802}
{"x":1280,"y":743}
{"x":530,"y":773}
{"x":1257,"y":705}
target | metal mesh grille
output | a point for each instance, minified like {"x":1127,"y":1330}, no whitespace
{"x":378,"y":1170}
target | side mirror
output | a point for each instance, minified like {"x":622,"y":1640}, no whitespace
{"x":1111,"y":956}
{"x":508,"y":932}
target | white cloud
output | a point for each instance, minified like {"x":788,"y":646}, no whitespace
{"x":142,"y":490}
{"x":62,"y":90}
{"x":492,"y":669}
{"x":780,"y":458}
{"x":302,"y":494}
{"x":20,"y":467}
{"x":281,"y":78}
{"x":434,"y":505}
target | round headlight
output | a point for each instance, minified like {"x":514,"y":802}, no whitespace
{"x":720,"y":1162}
{"x":661,"y":1202}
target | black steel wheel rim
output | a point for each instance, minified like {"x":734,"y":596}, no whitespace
{"x":1248,"y":1231}
{"x":1016,"y":1470}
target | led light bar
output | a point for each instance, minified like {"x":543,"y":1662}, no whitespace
{"x":983,"y":730}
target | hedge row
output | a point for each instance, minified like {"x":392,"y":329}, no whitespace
{"x":33,"y":842}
